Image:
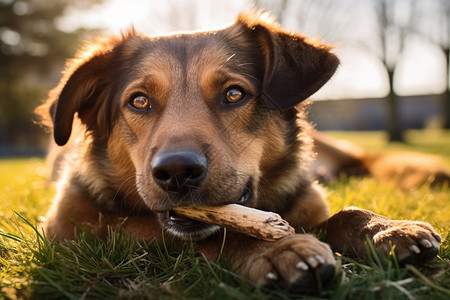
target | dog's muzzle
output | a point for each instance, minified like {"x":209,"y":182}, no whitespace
{"x":180,"y":173}
{"x":188,"y":229}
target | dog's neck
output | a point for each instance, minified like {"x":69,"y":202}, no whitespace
{"x":285,"y":179}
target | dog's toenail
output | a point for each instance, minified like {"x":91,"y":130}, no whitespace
{"x":320,"y":259}
{"x":302,"y":266}
{"x":271,"y":276}
{"x":312,"y":262}
{"x":414,"y":249}
{"x":426,"y":243}
{"x":437,"y":237}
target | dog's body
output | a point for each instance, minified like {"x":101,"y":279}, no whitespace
{"x":407,"y":170}
{"x":208,"y":118}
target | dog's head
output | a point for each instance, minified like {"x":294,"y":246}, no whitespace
{"x":196,"y":118}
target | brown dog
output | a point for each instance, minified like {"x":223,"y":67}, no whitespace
{"x":149,"y":123}
{"x":406,"y":169}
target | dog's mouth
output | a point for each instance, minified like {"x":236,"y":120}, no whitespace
{"x":189,"y":229}
{"x":185,"y":228}
{"x":246,"y":193}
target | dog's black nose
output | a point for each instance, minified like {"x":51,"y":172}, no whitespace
{"x":179,"y":170}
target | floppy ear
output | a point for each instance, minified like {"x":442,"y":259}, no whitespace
{"x":83,"y":90}
{"x":294,"y":68}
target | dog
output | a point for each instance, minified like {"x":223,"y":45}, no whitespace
{"x":144,"y":124}
{"x":407,"y":170}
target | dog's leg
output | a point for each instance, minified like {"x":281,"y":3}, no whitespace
{"x":414,"y":242}
{"x":408,"y":170}
{"x":72,"y":212}
{"x":310,"y":210}
{"x":336,"y":158}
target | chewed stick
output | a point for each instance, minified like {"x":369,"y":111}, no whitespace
{"x":260,"y":224}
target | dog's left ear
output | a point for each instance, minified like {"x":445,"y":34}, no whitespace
{"x":294,"y":68}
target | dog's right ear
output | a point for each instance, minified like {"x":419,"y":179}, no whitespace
{"x":85,"y":89}
{"x":294,"y":67}
{"x":80,"y":91}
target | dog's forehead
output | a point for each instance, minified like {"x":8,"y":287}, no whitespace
{"x":188,"y":49}
{"x":218,"y":46}
{"x":186,"y":57}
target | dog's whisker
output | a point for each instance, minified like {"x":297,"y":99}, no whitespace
{"x":131,"y":177}
{"x":231,"y":56}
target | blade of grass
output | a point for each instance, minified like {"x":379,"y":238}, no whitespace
{"x":56,"y":286}
{"x":428,"y":281}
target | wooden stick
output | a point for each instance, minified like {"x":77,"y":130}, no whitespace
{"x":260,"y":224}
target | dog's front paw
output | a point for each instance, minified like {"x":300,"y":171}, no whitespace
{"x":298,"y":262}
{"x":413,"y":242}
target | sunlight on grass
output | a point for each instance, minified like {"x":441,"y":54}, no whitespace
{"x":424,"y":204}
{"x":24,"y":188}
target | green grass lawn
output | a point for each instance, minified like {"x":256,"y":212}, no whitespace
{"x":89,"y":268}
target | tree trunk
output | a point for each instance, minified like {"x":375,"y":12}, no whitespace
{"x":446,"y":96}
{"x":394,"y":122}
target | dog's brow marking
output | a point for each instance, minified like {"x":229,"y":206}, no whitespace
{"x":230,"y":57}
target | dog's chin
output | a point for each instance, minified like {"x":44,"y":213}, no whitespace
{"x":185,"y":228}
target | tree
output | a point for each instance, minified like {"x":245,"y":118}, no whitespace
{"x":445,"y":4}
{"x":332,"y":20}
{"x":392,"y":31}
{"x":432,"y":24}
{"x":327,"y":19}
{"x":435,"y":27}
{"x":31,"y":48}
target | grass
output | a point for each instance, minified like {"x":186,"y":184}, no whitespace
{"x":33,"y":267}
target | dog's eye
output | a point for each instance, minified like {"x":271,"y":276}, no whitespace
{"x":140,"y":102}
{"x":234,"y":95}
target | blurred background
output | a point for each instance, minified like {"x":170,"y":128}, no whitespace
{"x":394,"y":72}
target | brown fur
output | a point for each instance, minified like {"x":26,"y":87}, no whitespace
{"x":258,"y":150}
{"x":407,"y":170}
